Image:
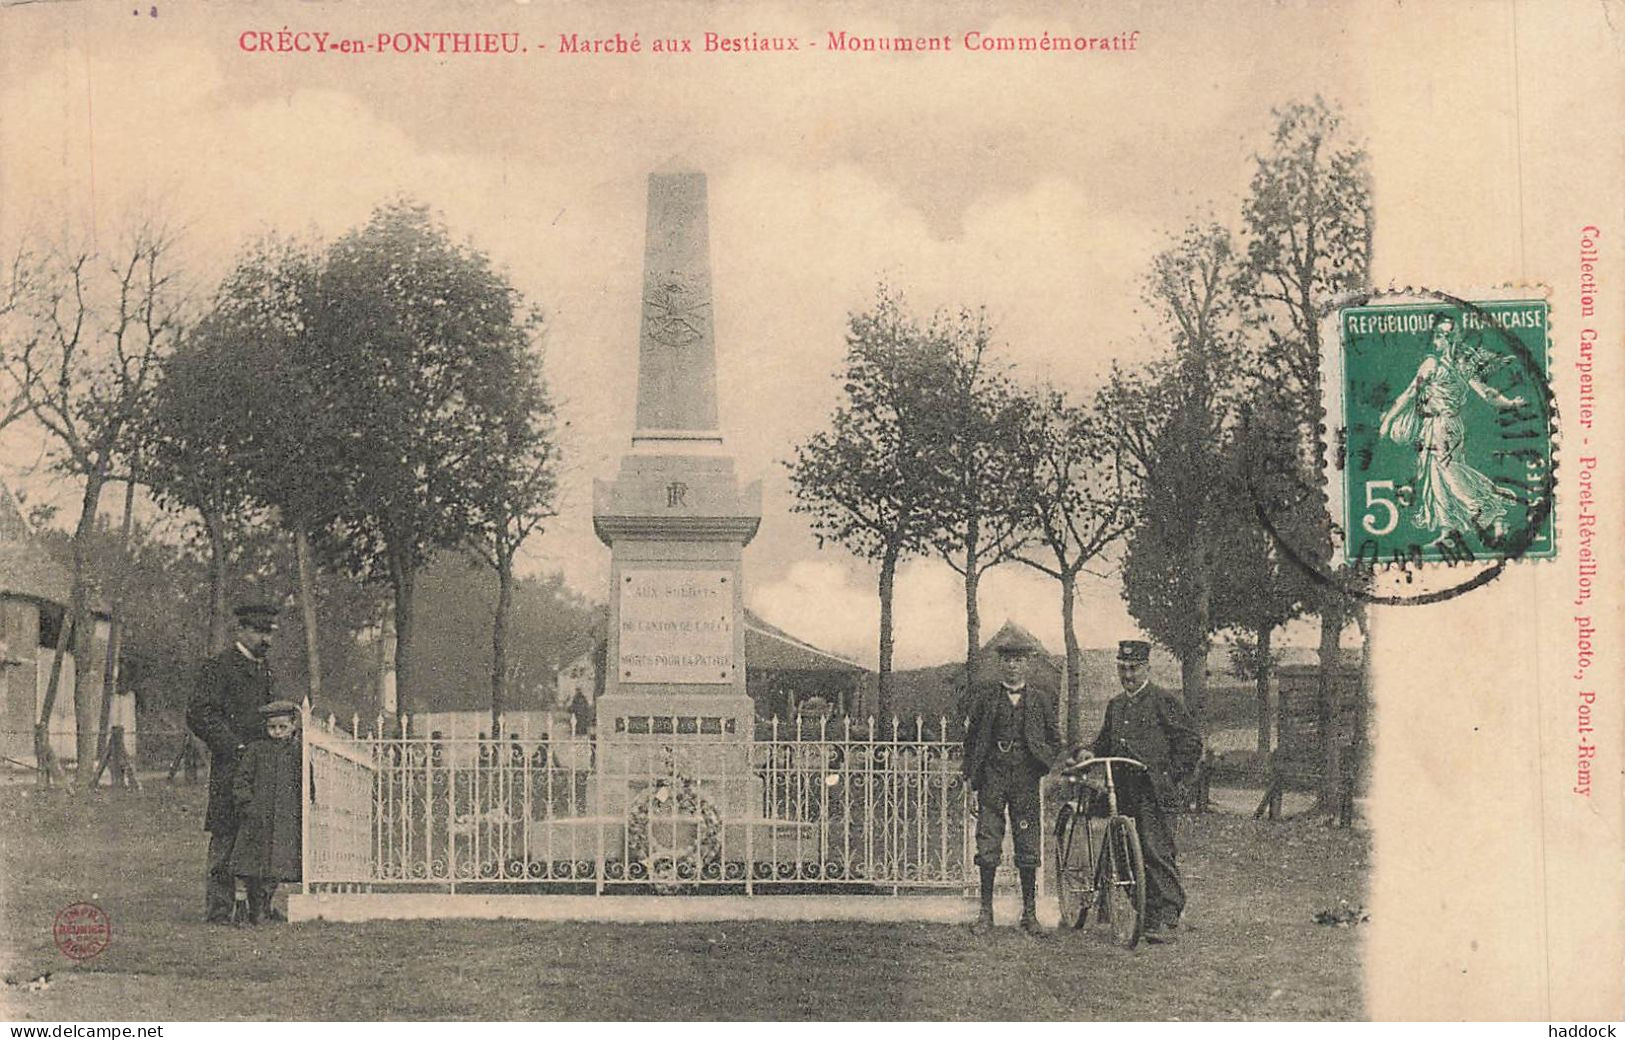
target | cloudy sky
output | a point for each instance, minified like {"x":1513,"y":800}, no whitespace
{"x":1037,"y":185}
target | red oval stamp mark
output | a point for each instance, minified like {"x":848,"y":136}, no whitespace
{"x":82,"y":930}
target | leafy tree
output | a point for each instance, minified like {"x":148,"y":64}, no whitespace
{"x":979,"y":463}
{"x":164,"y":572}
{"x":230,"y":425}
{"x":1173,"y":420}
{"x":1258,"y":588}
{"x":412,"y":350}
{"x":1082,"y":496}
{"x":458,"y":603}
{"x":863,"y":481}
{"x":83,"y":336}
{"x":1308,"y":226}
{"x":514,"y":492}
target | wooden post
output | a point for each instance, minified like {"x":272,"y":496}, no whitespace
{"x":116,"y":760}
{"x":186,"y":760}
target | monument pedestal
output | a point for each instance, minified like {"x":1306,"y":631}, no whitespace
{"x":675,"y":723}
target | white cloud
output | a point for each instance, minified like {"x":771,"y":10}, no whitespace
{"x":833,"y":602}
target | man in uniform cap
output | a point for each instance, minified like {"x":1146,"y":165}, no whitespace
{"x":224,"y":712}
{"x":1149,"y":724}
{"x":1011,"y":739}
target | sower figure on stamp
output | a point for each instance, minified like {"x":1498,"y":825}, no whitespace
{"x":225,"y":714}
{"x":1011,"y":740}
{"x":1149,"y":724}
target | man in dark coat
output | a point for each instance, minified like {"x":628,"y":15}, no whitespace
{"x":225,"y":714}
{"x":1151,"y":725}
{"x":1011,"y":740}
{"x":270,"y":803}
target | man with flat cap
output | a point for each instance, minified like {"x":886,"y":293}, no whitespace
{"x":1149,"y":724}
{"x":1011,"y":740}
{"x":224,"y":712}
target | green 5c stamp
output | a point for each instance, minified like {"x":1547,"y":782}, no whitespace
{"x":1445,"y":431}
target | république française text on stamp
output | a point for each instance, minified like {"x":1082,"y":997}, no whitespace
{"x":1440,"y":424}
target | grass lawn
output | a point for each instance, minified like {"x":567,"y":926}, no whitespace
{"x":1250,"y":947}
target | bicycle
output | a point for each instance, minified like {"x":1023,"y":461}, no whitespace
{"x":1109,"y":880}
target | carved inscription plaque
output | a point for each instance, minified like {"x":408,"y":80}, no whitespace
{"x":677,"y":627}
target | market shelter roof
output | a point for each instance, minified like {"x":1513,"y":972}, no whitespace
{"x":769,"y":648}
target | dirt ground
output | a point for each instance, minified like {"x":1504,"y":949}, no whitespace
{"x":1250,"y":948}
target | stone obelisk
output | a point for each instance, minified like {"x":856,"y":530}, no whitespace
{"x":676,"y":518}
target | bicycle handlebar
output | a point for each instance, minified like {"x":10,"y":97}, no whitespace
{"x":1102,"y":760}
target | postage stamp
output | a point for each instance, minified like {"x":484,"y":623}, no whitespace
{"x":1441,"y":431}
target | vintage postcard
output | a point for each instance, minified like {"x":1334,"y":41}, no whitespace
{"x":847,"y":512}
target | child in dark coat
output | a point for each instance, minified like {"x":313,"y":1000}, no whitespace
{"x":269,"y":804}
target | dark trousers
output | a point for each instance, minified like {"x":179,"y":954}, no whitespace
{"x":219,"y":886}
{"x":1164,"y":893}
{"x":1008,"y":787}
{"x":260,"y":893}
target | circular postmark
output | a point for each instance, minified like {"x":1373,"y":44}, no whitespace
{"x":1437,"y":465}
{"x":82,"y":930}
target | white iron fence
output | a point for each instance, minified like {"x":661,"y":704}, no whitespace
{"x":828,"y":805}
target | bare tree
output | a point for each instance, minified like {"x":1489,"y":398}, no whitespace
{"x":92,"y":329}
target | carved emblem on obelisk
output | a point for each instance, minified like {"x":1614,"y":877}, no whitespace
{"x":674,"y":312}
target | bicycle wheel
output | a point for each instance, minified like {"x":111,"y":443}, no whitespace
{"x":1074,"y":871}
{"x":1122,"y":879}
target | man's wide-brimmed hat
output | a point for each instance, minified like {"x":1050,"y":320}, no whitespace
{"x":1133,"y":651}
{"x":1012,"y":641}
{"x":276,"y":709}
{"x":257,"y":615}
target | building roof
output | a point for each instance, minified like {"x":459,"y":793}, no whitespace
{"x":26,"y":569}
{"x":1012,"y":637}
{"x":769,"y":648}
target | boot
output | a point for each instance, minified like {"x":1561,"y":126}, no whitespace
{"x":984,"y":917}
{"x":242,"y":911}
{"x":1029,"y":893}
{"x":269,"y":914}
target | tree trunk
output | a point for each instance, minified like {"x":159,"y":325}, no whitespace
{"x":1072,"y":710}
{"x":214,"y":527}
{"x":44,"y":756}
{"x":384,"y":664}
{"x":973,"y":622}
{"x":888,"y":581}
{"x":1265,"y":669}
{"x":499,"y":642}
{"x":110,"y":670}
{"x":1193,"y":663}
{"x":1193,"y":682}
{"x":307,"y":612}
{"x":404,"y":578}
{"x":84,"y":638}
{"x":115,"y":633}
{"x":1331,"y":626}
{"x":1362,"y":705}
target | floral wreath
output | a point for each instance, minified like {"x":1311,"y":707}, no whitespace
{"x":673,"y":796}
